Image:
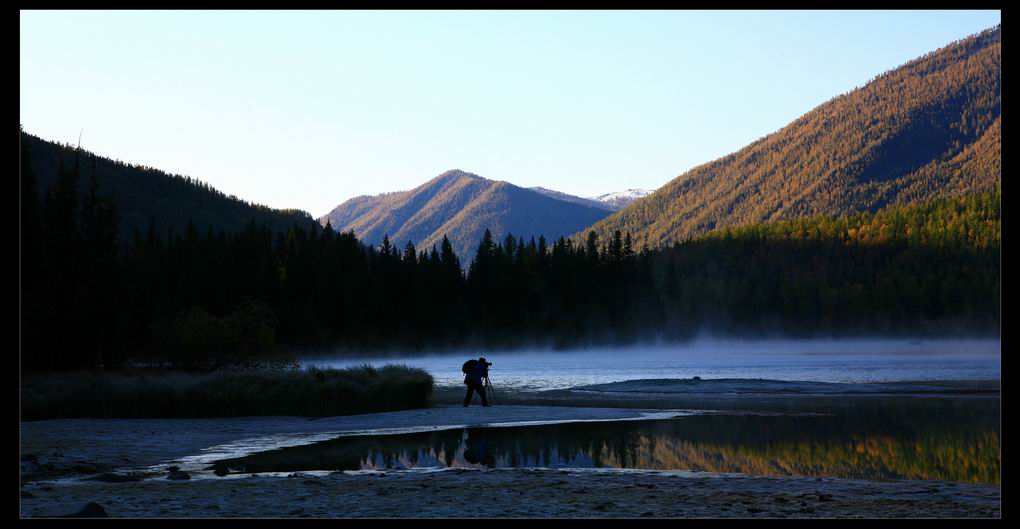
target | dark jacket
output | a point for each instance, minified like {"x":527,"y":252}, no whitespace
{"x":476,"y":374}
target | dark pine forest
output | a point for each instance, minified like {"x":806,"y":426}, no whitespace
{"x":197,"y":295}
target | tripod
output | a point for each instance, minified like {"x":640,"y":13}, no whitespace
{"x":491,"y":393}
{"x":487,"y":386}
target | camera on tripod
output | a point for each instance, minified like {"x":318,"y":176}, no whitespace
{"x":471,"y":369}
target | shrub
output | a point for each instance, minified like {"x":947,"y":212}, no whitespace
{"x":199,"y":341}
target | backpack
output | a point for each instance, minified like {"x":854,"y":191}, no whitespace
{"x":468,"y":366}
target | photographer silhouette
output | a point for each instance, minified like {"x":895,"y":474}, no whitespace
{"x":475,"y":371}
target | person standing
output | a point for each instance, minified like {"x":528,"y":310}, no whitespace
{"x":474,"y":376}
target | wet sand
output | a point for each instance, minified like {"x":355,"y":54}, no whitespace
{"x":523,"y":493}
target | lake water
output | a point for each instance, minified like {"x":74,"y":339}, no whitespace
{"x":865,"y":437}
{"x":950,"y":440}
{"x":811,"y":360}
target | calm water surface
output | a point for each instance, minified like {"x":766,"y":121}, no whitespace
{"x":926,"y":439}
{"x":820,"y":361}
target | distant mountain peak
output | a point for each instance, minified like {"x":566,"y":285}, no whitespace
{"x":621,"y":199}
{"x":558,"y":195}
{"x":455,"y":173}
{"x":462,"y":205}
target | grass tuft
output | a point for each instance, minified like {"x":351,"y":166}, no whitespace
{"x":311,"y":392}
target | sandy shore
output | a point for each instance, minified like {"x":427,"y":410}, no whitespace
{"x":58,"y":454}
{"x":735,"y":394}
{"x":520,"y":493}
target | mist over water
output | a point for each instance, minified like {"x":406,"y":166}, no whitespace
{"x":807,"y":360}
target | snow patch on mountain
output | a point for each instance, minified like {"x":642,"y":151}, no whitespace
{"x":622,"y":198}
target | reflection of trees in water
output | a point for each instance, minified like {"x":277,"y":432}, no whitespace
{"x":955,"y":444}
{"x":762,"y":446}
{"x":971,"y":458}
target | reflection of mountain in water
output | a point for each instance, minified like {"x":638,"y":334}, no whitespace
{"x":956,"y":442}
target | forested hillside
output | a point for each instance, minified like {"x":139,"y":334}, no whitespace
{"x":877,"y":213}
{"x":204,"y":299}
{"x":927,"y":129}
{"x":460,"y":206}
{"x":933,"y":267}
{"x":144,"y":194}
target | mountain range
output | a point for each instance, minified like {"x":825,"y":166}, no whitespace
{"x":461,"y":206}
{"x":928,"y":129}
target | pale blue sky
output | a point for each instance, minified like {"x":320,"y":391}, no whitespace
{"x":306,"y":109}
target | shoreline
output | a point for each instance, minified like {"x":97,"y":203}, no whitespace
{"x":79,"y":447}
{"x":58,"y":454}
{"x":735,"y":394}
